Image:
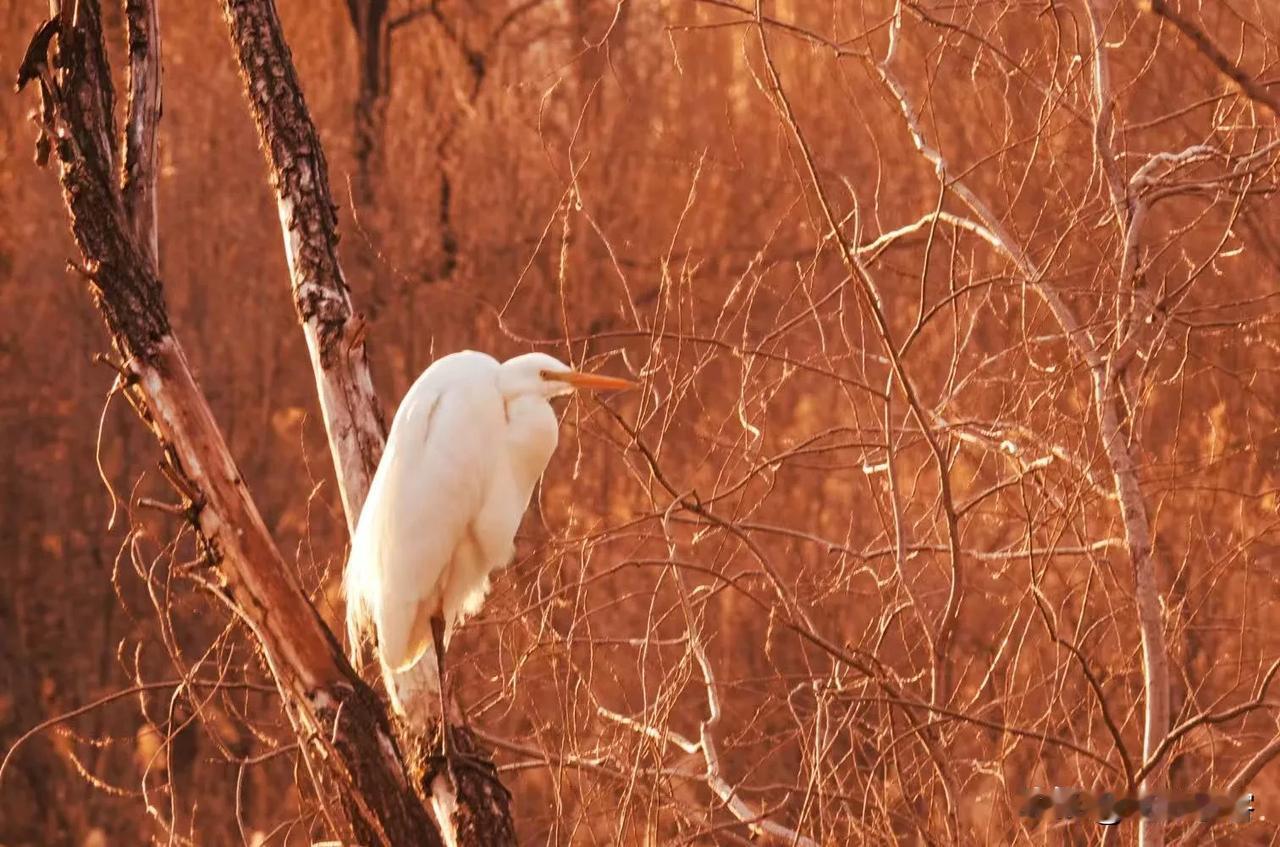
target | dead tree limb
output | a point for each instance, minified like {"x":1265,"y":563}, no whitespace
{"x":479,"y":813}
{"x":335,"y":337}
{"x":335,"y":714}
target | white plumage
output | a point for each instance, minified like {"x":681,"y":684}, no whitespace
{"x":466,"y":448}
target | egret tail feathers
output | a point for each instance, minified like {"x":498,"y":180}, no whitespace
{"x":356,"y":623}
{"x":359,"y":615}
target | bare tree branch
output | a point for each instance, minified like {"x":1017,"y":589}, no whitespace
{"x":1237,"y":784}
{"x":1248,"y":86}
{"x":1107,"y":403}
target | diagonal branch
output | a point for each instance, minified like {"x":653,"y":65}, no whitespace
{"x":764,"y":828}
{"x":478,"y":812}
{"x":1248,"y":86}
{"x":308,"y":219}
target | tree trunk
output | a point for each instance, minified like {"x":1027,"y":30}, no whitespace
{"x":314,"y":679}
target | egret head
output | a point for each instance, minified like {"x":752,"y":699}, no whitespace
{"x":541,"y":375}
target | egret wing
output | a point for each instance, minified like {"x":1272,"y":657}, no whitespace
{"x":438,"y":465}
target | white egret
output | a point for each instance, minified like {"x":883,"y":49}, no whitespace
{"x":466,"y":448}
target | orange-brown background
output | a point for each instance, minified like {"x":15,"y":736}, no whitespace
{"x":623,"y":180}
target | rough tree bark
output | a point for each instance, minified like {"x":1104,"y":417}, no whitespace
{"x":337,"y":718}
{"x":138,"y":186}
{"x":479,"y":812}
{"x":308,"y":220}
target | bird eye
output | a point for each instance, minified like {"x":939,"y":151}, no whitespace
{"x":544,"y":374}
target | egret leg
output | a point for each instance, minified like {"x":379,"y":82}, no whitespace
{"x":451,"y":757}
{"x":437,"y":635}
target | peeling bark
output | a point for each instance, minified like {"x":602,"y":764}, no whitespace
{"x":138,"y":179}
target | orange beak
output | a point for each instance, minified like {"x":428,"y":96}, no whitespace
{"x":594,"y":382}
